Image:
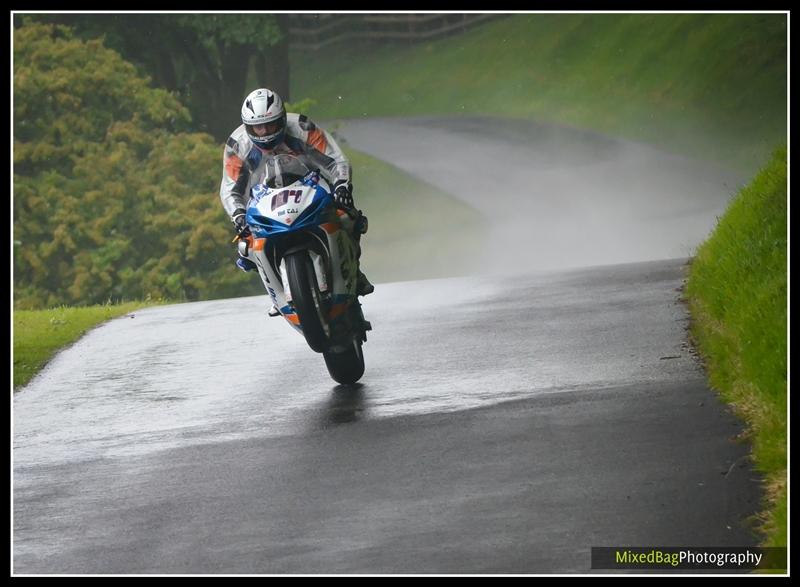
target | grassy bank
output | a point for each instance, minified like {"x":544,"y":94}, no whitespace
{"x":736,"y":291}
{"x":40,"y":334}
{"x":712,"y":85}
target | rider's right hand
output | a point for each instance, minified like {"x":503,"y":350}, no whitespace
{"x":240,"y":223}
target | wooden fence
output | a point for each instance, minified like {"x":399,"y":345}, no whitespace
{"x":311,"y":32}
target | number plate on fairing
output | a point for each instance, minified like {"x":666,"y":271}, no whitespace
{"x":283,"y":205}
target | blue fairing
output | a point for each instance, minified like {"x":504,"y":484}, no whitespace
{"x":263,"y":227}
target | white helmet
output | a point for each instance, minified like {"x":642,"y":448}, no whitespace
{"x":264,"y":107}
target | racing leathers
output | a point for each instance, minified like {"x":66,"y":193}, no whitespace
{"x":243,"y":166}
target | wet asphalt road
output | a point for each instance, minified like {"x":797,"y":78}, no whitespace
{"x":505,"y":424}
{"x":499,"y":428}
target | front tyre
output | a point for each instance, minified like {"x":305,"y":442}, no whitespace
{"x":307,"y":300}
{"x":346,"y":366}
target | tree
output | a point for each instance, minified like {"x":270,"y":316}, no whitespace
{"x":206,"y":58}
{"x":113,"y":199}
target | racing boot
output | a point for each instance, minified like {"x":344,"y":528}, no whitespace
{"x":273,"y":311}
{"x":363,"y":286}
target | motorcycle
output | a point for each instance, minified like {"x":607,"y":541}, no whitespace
{"x":300,"y":241}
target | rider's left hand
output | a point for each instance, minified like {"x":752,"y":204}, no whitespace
{"x":343,"y":194}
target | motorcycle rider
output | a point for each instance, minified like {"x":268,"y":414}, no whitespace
{"x":267,"y":129}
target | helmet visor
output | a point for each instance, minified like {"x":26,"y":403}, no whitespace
{"x":264,"y":130}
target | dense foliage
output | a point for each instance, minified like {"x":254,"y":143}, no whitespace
{"x":209,"y":60}
{"x":113,"y":198}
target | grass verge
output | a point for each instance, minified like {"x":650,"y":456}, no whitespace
{"x":40,"y":334}
{"x":737,"y":296}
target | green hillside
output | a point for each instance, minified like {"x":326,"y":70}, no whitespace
{"x":710,"y":85}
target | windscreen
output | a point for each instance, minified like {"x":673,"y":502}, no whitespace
{"x":284,"y":170}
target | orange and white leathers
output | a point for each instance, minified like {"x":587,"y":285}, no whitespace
{"x":243,"y":161}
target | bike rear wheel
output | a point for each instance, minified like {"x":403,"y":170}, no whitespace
{"x":346,"y":366}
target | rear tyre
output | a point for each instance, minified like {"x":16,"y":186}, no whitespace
{"x":306,"y":300}
{"x":346,"y":366}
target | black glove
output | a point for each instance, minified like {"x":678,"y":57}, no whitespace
{"x":240,"y":223}
{"x":343,"y":194}
{"x":361,"y":224}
